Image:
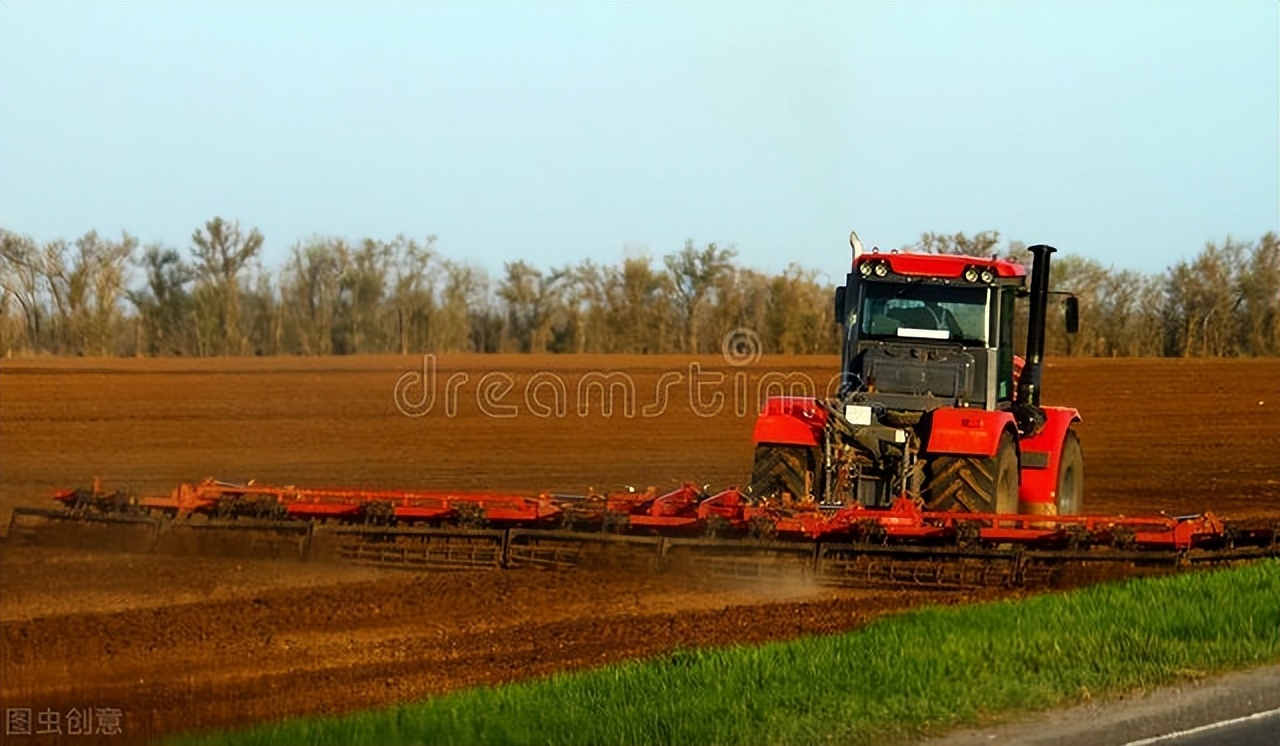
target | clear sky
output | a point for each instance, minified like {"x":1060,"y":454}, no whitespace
{"x":1130,"y":133}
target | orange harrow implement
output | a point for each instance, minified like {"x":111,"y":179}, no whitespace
{"x":726,"y":531}
{"x":225,"y":500}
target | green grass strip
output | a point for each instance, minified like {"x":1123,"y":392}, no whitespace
{"x":898,"y":678}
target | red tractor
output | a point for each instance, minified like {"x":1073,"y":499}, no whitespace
{"x":933,"y":404}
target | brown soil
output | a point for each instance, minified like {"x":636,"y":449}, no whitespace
{"x":190,"y":642}
{"x":280,"y":652}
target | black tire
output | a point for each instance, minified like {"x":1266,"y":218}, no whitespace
{"x":969,"y":484}
{"x":782,"y":469}
{"x":1071,"y":476}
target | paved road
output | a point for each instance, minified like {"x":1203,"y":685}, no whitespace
{"x":1262,"y":729}
{"x":1169,"y":717}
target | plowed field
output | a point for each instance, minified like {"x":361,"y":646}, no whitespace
{"x":188,"y":642}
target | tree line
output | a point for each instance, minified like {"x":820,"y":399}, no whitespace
{"x":98,"y":295}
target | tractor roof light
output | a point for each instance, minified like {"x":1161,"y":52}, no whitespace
{"x":864,"y":269}
{"x":881,"y":269}
{"x":988,"y":276}
{"x":971,"y":274}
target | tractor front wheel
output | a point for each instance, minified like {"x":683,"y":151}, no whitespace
{"x":1071,"y":476}
{"x":975,"y":485}
{"x":783,"y":469}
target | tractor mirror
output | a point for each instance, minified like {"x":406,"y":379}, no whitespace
{"x":839,"y":317}
{"x":1073,"y":314}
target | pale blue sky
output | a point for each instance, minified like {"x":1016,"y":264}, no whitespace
{"x":1130,"y":133}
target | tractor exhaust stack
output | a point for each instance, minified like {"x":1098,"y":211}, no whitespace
{"x":1029,"y":382}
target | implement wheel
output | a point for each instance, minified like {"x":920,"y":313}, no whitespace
{"x":782,"y":469}
{"x":1071,"y":476}
{"x":970,"y":484}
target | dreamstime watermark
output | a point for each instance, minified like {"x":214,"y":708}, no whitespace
{"x":707,"y":392}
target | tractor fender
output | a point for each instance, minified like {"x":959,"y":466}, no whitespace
{"x":1041,"y":457}
{"x":790,"y":420}
{"x":968,"y":432}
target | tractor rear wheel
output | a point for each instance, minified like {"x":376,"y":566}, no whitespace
{"x":975,"y":485}
{"x":782,"y":469}
{"x":1071,"y":476}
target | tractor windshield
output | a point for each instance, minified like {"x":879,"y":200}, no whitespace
{"x":918,"y":310}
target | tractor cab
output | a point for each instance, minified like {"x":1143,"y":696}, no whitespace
{"x":924,"y":331}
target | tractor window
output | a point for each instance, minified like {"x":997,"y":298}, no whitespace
{"x":915,"y":310}
{"x":1004,"y":346}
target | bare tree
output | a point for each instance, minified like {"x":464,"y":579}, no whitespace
{"x":262,"y":309}
{"x":1083,"y":278}
{"x":799,"y":317}
{"x":982,"y":243}
{"x":411,"y":292}
{"x":588,"y":299}
{"x":530,"y":298}
{"x":310,"y":287}
{"x":460,"y":298}
{"x":741,"y":302}
{"x":20,"y":280}
{"x":362,"y":287}
{"x":692,"y":274}
{"x":1259,"y":288}
{"x":163,"y":303}
{"x":1128,"y":315}
{"x":86,"y":282}
{"x":221,"y":251}
{"x":639,"y":312}
{"x":108,"y":264}
{"x":1202,"y":303}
